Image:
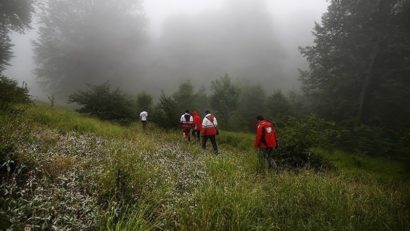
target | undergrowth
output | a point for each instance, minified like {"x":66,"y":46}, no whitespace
{"x":72,"y":172}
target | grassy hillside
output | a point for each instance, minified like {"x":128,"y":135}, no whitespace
{"x":63,"y":170}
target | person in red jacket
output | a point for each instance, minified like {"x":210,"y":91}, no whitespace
{"x":209,"y":130}
{"x":197,"y":125}
{"x":266,"y":140}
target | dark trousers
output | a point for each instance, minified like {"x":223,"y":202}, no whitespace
{"x":213,"y":141}
{"x":267,"y":158}
{"x":195,"y":134}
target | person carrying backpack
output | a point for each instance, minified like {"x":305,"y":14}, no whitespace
{"x":266,"y":141}
{"x":186,"y":122}
{"x":197,"y":126}
{"x":209,"y":130}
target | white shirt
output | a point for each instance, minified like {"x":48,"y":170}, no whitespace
{"x":143,"y":115}
{"x":191,"y":119}
{"x":206,"y":123}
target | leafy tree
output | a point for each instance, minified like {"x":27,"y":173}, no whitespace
{"x":278,"y":106}
{"x":299,"y":105}
{"x":201,"y":100}
{"x":104,"y":103}
{"x":358,"y":65}
{"x":11,"y":94}
{"x":88,"y":40}
{"x":252,"y":103}
{"x":166,"y":113}
{"x":144,"y":101}
{"x":224,"y":98}
{"x":14,"y":15}
{"x":185,"y":97}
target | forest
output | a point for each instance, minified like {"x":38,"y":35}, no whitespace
{"x":80,"y":159}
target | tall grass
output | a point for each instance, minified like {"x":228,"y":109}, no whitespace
{"x":153,"y":180}
{"x":359,"y":165}
{"x":67,"y":120}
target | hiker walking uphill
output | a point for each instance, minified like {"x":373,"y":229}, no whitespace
{"x":187,"y":123}
{"x":144,"y":118}
{"x":266,"y":141}
{"x":209,"y":130}
{"x":196,"y":130}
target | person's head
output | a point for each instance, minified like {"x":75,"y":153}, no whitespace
{"x":259,"y":118}
{"x":186,"y":111}
{"x":207,"y":112}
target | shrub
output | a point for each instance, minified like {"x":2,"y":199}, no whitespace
{"x":11,"y":94}
{"x":166,"y":113}
{"x":295,"y":157}
{"x":104,"y":103}
{"x":311,"y":132}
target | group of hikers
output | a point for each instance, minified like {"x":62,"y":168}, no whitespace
{"x":207,"y":128}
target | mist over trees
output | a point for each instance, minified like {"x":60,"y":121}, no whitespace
{"x":239,"y":39}
{"x":87,"y":41}
{"x":356,"y":75}
{"x":95,"y":41}
{"x":14,"y":16}
{"x":359,"y":63}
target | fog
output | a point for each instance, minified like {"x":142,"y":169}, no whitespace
{"x":250,"y":40}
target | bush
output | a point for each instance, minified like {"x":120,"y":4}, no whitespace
{"x":311,"y":131}
{"x":295,"y":157}
{"x":106,"y":104}
{"x":11,"y":94}
{"x":298,"y":136}
{"x":166,"y":113}
{"x":377,"y":141}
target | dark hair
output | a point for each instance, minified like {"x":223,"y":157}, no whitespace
{"x":259,"y":117}
{"x":186,"y":111}
{"x":207,"y":112}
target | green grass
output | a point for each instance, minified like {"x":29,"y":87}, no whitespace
{"x":110,"y":177}
{"x":358,"y":165}
{"x":68,"y":120}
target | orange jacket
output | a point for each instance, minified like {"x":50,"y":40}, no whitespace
{"x":265,"y":135}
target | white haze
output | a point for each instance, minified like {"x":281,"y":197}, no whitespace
{"x":292,"y":22}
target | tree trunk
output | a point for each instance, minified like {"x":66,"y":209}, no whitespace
{"x":383,"y":14}
{"x":367,"y":80}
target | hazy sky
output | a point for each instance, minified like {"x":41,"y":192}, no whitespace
{"x":283,"y":11}
{"x":293,"y":21}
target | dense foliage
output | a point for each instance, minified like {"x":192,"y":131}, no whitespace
{"x":358,"y":66}
{"x":144,"y":102}
{"x":224,"y":98}
{"x":107,"y":104}
{"x":166,"y":113}
{"x":11,"y":94}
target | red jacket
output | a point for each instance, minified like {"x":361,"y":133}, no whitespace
{"x":197,"y":121}
{"x":209,"y":125}
{"x":265,"y":135}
